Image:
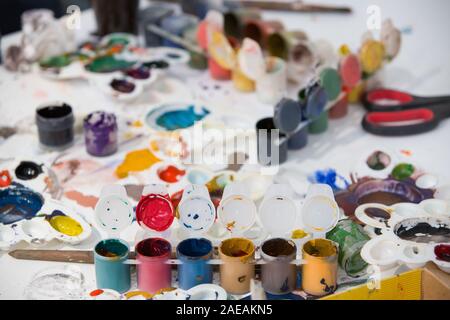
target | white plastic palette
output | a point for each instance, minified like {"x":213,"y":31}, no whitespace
{"x":41,"y":230}
{"x":201,"y":292}
{"x":388,"y":157}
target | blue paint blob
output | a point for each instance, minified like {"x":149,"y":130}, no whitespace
{"x":19,"y":203}
{"x":181,"y":119}
{"x":194,"y":248}
{"x":197,"y":177}
{"x":331,"y":178}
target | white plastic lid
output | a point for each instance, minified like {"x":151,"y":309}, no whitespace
{"x":278,"y":212}
{"x":113,"y":211}
{"x":237,"y":211}
{"x":196,"y":210}
{"x":251,"y":59}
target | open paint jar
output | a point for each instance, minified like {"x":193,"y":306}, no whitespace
{"x":194,"y":255}
{"x":272,"y":144}
{"x":153,"y":270}
{"x":237,"y":268}
{"x":101,"y":133}
{"x":55,"y":123}
{"x":155,"y":210}
{"x":111,"y":271}
{"x":279,"y":274}
{"x":154,"y":14}
{"x":271,"y":87}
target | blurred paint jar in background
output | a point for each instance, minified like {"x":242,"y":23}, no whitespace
{"x":116,"y":16}
{"x":101,"y":134}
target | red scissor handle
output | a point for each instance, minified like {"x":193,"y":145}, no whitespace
{"x":388,"y":97}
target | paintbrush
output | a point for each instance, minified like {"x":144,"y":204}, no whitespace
{"x":295,"y":6}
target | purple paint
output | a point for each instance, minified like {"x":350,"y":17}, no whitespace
{"x":100,"y":131}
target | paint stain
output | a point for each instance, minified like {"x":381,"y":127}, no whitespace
{"x":122,"y":86}
{"x":28,"y":170}
{"x":327,"y":288}
{"x":134,"y":191}
{"x":140,"y":73}
{"x":320,"y":248}
{"x":64,"y":224}
{"x":5,"y":179}
{"x":171,"y":174}
{"x":96,"y":293}
{"x":19,"y":203}
{"x":382,"y":197}
{"x":231,"y":225}
{"x":157,"y":64}
{"x":378,"y":214}
{"x":298,"y":234}
{"x":181,"y":118}
{"x":442,"y":252}
{"x":82,"y":199}
{"x":136,"y":161}
{"x":378,"y":160}
{"x":329,"y":177}
{"x":241,"y":279}
{"x":424,"y":231}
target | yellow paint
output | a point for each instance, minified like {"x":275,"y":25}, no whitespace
{"x":137,"y":124}
{"x":135,"y":161}
{"x":241,"y":81}
{"x":66,"y":225}
{"x":406,"y":286}
{"x":221,"y":50}
{"x":372,"y":55}
{"x":356,"y":93}
{"x":344,"y":50}
{"x":133,"y":294}
{"x":298,"y":234}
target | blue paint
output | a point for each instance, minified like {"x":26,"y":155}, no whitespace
{"x":331,"y":178}
{"x":19,"y":203}
{"x":181,"y":119}
{"x":111,"y":272}
{"x":197,"y":177}
{"x":194,"y":269}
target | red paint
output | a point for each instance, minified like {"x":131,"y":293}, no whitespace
{"x":155,"y":212}
{"x":176,"y":198}
{"x":5,"y":179}
{"x":96,"y":292}
{"x":171,"y":174}
{"x":217,"y":72}
{"x":442,"y":252}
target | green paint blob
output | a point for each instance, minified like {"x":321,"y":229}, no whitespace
{"x":403,"y":171}
{"x":56,"y":62}
{"x":106,"y":64}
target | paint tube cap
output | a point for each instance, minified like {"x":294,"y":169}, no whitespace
{"x":237,"y":211}
{"x":155,"y":210}
{"x":196,"y":210}
{"x":278,"y":211}
{"x":317,"y":100}
{"x":287,"y":116}
{"x":320,"y":212}
{"x":113,"y":211}
{"x":251,"y":59}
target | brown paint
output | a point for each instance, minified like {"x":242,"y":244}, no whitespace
{"x":377,"y":213}
{"x":382,"y":197}
{"x":81,"y":199}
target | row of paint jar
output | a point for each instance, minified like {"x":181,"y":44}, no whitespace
{"x":237,"y":265}
{"x":55,"y":122}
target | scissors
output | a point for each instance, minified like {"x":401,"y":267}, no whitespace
{"x":397,"y":113}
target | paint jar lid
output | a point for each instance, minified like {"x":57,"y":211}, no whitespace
{"x":196,"y":210}
{"x":155,"y":209}
{"x":350,"y":70}
{"x":316,"y":101}
{"x":287,"y":116}
{"x":113,"y":211}
{"x":251,"y":59}
{"x":320,"y":212}
{"x":278,"y":211}
{"x":237,"y":211}
{"x":221,"y":50}
{"x":331,"y":83}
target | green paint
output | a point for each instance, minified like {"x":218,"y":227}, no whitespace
{"x":403,"y":171}
{"x":61,"y":61}
{"x":106,"y":64}
{"x":319,"y":125}
{"x":331,"y":82}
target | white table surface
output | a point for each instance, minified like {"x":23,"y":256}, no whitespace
{"x":423,"y":67}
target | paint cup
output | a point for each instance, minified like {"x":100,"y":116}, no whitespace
{"x":271,"y":87}
{"x":279,"y":44}
{"x":260,"y":30}
{"x":101,"y":134}
{"x":237,"y":268}
{"x":272,"y":144}
{"x":288,"y":117}
{"x":155,"y":209}
{"x":194,"y":269}
{"x":55,"y":123}
{"x":319,"y":273}
{"x":199,"y":8}
{"x":319,"y":125}
{"x":340,"y":107}
{"x":278,"y":274}
{"x":351,"y":237}
{"x":176,"y":25}
{"x":111,"y":271}
{"x":217,"y":72}
{"x":153,"y":271}
{"x":116,"y":16}
{"x":234,"y":21}
{"x":153,"y":15}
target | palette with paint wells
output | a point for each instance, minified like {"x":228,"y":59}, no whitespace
{"x":53,"y":221}
{"x":410,"y":234}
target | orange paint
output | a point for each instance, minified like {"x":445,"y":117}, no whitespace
{"x":171,"y":174}
{"x":136,"y":161}
{"x":81,"y":199}
{"x":96,"y":292}
{"x":5,"y":179}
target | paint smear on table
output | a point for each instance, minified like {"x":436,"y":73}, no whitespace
{"x":331,"y":178}
{"x":181,"y":118}
{"x":136,"y":161}
{"x":82,"y":199}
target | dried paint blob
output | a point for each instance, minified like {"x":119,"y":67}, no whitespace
{"x":173,"y":117}
{"x":424,"y":230}
{"x":106,"y":64}
{"x":28,"y":170}
{"x":5,"y":179}
{"x":141,"y":73}
{"x":442,"y":252}
{"x":155,"y":212}
{"x":171,"y":174}
{"x":378,"y":161}
{"x":157,"y":64}
{"x":18,"y":203}
{"x":122,"y":86}
{"x":403,"y":171}
{"x":136,"y":161}
{"x":64,"y":224}
{"x":378,"y":214}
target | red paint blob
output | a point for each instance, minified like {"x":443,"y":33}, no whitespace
{"x":96,"y":292}
{"x":5,"y":179}
{"x":155,"y":212}
{"x":442,"y":252}
{"x":171,"y":174}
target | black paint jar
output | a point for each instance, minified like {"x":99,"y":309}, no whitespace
{"x":272,"y":147}
{"x":55,"y":124}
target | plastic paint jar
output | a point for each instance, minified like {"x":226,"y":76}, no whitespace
{"x":271,"y":87}
{"x":319,"y":125}
{"x":111,"y":271}
{"x":278,"y":274}
{"x":176,"y":25}
{"x":237,"y":268}
{"x":101,"y":134}
{"x":340,"y":107}
{"x":194,"y":269}
{"x":272,"y":150}
{"x":319,"y":273}
{"x":260,"y":30}
{"x":55,"y":123}
{"x":279,"y":44}
{"x":153,"y":271}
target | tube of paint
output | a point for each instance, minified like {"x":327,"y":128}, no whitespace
{"x":153,"y":271}
{"x":351,"y":238}
{"x":278,"y":274}
{"x":237,"y":268}
{"x":101,"y":133}
{"x":55,"y":123}
{"x":319,"y":273}
{"x":154,"y":14}
{"x":177,"y":24}
{"x":194,"y":269}
{"x":272,"y":145}
{"x":271,"y":87}
{"x":260,"y":30}
{"x":111,"y":271}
